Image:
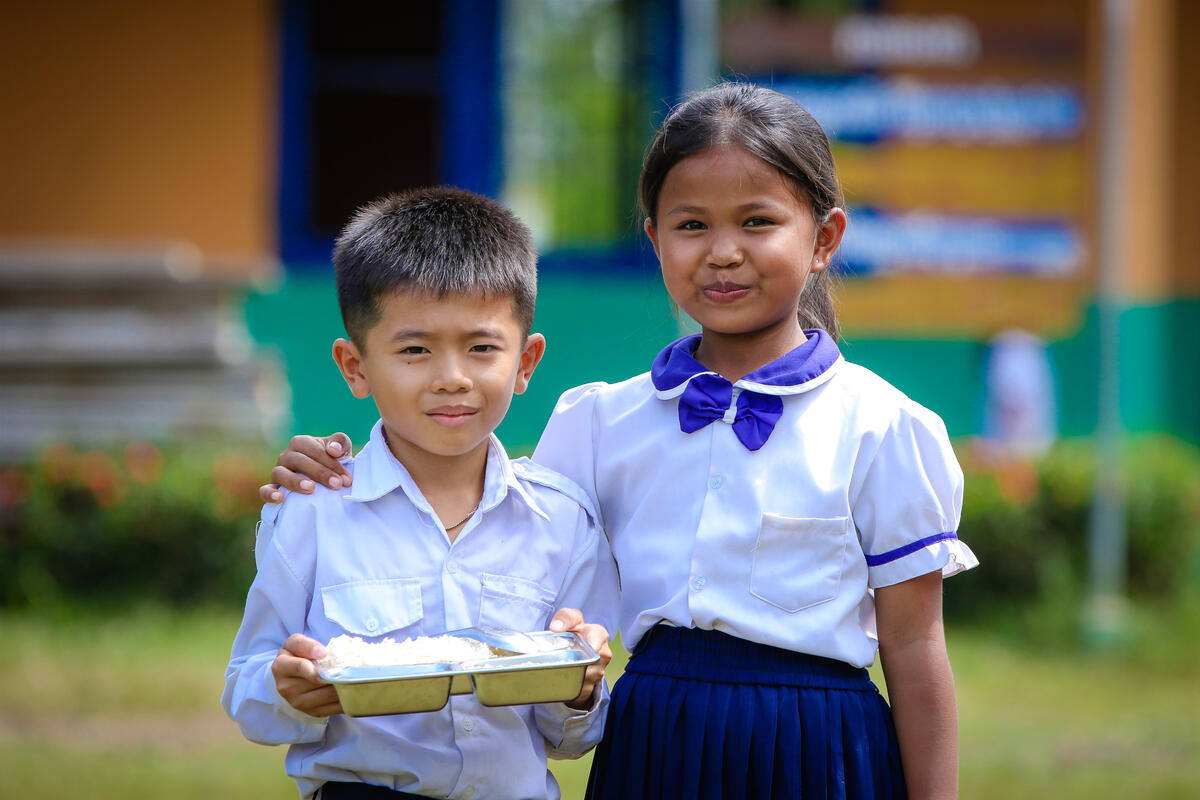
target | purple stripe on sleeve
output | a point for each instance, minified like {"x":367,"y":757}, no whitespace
{"x":912,"y":547}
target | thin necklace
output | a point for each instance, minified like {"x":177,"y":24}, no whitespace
{"x":467,"y":517}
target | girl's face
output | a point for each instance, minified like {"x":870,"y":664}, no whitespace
{"x":736,"y":244}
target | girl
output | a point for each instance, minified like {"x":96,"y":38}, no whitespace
{"x":777,"y":514}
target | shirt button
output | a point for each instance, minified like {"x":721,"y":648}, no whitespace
{"x":715,"y":481}
{"x":468,"y":725}
{"x":372,"y":624}
{"x":468,"y":792}
{"x":698,"y":583}
{"x":452,"y":567}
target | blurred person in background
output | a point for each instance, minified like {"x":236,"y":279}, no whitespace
{"x":1019,"y":419}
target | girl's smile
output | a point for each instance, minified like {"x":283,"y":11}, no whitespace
{"x":723,"y":292}
{"x":737,"y":243}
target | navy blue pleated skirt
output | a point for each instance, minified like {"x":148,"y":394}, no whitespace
{"x":705,"y":715}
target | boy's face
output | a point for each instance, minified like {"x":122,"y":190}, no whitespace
{"x":443,"y":371}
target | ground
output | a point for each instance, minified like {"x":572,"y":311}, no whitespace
{"x":126,"y":705}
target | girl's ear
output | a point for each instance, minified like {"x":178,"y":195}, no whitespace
{"x":829,"y":237}
{"x":350,"y":362}
{"x":652,"y":235}
{"x":531,"y":354}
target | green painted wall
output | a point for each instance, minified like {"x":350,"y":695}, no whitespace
{"x":610,"y":329}
{"x":595,"y":330}
{"x":1159,"y":362}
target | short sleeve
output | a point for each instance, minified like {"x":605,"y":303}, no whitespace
{"x":907,"y":502}
{"x":568,"y":445}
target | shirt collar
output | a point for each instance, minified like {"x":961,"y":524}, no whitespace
{"x":799,"y":370}
{"x":378,"y":472}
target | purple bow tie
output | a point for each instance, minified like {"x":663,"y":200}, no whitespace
{"x":706,"y":399}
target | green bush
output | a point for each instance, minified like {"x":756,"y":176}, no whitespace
{"x":173,"y":525}
{"x":1028,"y":524}
{"x":176,"y":525}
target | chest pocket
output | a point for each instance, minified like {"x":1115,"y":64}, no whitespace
{"x":798,"y":562}
{"x":374,"y":608}
{"x":517,"y":603}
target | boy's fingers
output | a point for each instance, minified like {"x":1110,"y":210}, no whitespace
{"x":327,"y":710}
{"x":323,"y":701}
{"x":299,"y":674}
{"x":597,"y":637}
{"x":591,"y":677}
{"x":313,"y":698}
{"x":303,"y":646}
{"x":566,"y":619}
{"x":320,"y":701}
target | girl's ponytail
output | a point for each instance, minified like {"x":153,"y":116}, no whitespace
{"x":816,"y":304}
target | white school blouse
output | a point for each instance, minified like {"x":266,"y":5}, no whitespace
{"x":856,"y":488}
{"x":376,"y":562}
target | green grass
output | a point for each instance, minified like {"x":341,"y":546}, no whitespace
{"x":127,"y":707}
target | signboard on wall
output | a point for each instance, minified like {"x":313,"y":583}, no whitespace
{"x":961,"y":135}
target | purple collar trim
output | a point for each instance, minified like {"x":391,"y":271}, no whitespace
{"x":753,"y":404}
{"x":675,"y":365}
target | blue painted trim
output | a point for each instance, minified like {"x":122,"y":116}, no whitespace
{"x":669,"y":44}
{"x":469,"y":125}
{"x":297,"y":247}
{"x":908,"y":549}
{"x":471,"y":133}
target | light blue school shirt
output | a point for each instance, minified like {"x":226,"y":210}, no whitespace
{"x":856,"y":488}
{"x":375,"y":561}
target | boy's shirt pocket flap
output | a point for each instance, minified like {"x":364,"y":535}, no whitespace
{"x":373,"y":608}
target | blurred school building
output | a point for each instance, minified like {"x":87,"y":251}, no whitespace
{"x":175,"y":172}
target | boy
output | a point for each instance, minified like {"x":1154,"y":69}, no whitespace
{"x":438,"y":529}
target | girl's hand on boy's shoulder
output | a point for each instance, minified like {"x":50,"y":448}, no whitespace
{"x":571,"y":619}
{"x":308,"y":459}
{"x":297,"y":681}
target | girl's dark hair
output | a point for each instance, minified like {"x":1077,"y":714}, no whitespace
{"x":775,"y":129}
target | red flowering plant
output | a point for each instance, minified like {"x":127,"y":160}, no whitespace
{"x":167,"y":523}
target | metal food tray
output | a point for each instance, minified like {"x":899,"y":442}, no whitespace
{"x":508,"y":678}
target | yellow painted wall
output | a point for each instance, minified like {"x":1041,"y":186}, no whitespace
{"x":137,"y":119}
{"x":1160,"y":255}
{"x":1146,"y":253}
{"x":1055,"y":179}
{"x":1047,"y":179}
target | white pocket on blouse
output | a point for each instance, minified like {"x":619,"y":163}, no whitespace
{"x":516,"y":603}
{"x":798,"y":562}
{"x":374,"y":608}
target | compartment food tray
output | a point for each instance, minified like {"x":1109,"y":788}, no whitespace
{"x":508,"y":678}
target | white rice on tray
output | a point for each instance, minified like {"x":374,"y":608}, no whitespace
{"x":351,"y":651}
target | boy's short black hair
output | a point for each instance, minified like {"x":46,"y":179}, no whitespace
{"x":440,"y":240}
